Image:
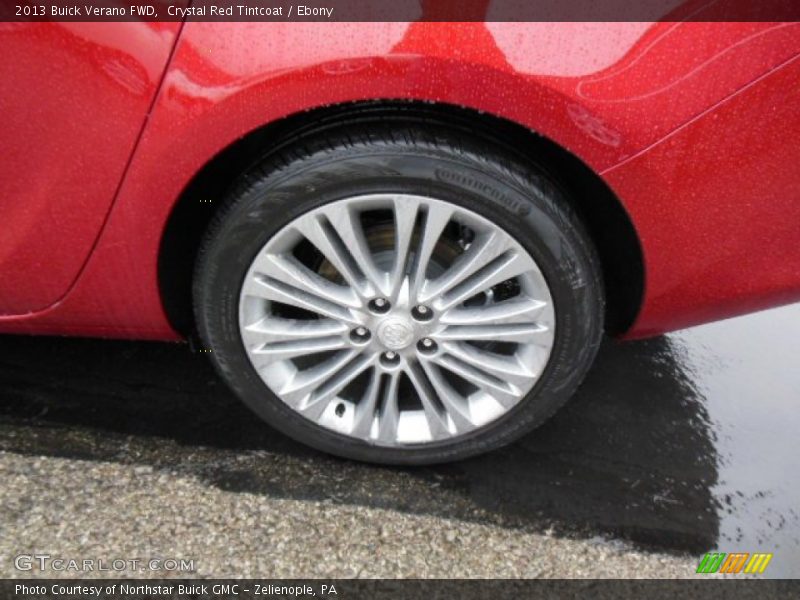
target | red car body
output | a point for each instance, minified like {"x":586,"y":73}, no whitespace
{"x":692,"y":125}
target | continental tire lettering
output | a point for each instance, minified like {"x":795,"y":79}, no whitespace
{"x":513,"y":205}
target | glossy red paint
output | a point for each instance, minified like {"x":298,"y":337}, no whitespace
{"x":74,"y":97}
{"x":689,"y":123}
{"x":717,"y":207}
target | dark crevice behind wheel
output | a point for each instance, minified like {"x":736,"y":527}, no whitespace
{"x":399,"y":295}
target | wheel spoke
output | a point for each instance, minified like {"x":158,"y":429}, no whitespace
{"x":405,"y":219}
{"x":506,"y":332}
{"x":284,"y":280}
{"x":312,"y":229}
{"x":507,"y":370}
{"x":504,"y":267}
{"x":389,"y":417}
{"x":505,"y":393}
{"x":367,"y":407}
{"x":435,"y":220}
{"x":455,"y":404}
{"x":267,"y":354}
{"x":315,"y":402}
{"x":437,"y":422}
{"x":516,"y":310}
{"x":271,"y":340}
{"x":303,"y":382}
{"x":269,"y":330}
{"x":489,"y":260}
{"x":345,"y":225}
{"x":482,"y":250}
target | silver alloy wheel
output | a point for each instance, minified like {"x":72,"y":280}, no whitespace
{"x":396,"y":319}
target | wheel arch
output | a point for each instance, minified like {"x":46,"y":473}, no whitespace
{"x":606,"y":219}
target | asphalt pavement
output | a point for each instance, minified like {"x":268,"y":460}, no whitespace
{"x":673,"y":447}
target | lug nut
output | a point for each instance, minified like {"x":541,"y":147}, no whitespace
{"x":422,"y":313}
{"x":426,"y":346}
{"x":390,"y":359}
{"x":360,"y":334}
{"x":379,"y":305}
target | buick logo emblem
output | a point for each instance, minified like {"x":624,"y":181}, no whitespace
{"x":395,"y":333}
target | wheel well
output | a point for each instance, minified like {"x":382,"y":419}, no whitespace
{"x":604,"y":216}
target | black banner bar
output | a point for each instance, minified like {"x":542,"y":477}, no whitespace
{"x":399,"y":10}
{"x":252,"y":589}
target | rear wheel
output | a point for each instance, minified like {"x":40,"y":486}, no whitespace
{"x":399,"y":295}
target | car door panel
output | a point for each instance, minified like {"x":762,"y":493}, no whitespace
{"x":73,"y":98}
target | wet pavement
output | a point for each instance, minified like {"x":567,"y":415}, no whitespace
{"x":679,"y":444}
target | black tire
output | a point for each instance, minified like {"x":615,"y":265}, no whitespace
{"x":432,"y":160}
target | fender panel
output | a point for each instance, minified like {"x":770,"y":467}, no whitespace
{"x":717,"y":206}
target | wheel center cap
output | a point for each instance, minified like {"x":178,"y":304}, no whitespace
{"x":395,"y":333}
